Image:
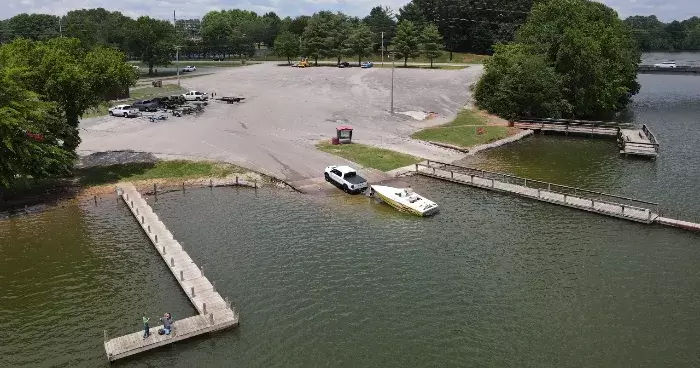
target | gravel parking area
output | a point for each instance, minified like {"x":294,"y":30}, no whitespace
{"x":287,"y":111}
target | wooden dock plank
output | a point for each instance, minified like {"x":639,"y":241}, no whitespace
{"x":218,"y":314}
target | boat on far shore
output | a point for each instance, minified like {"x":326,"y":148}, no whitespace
{"x":405,"y":200}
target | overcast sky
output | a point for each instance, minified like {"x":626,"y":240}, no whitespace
{"x":664,"y":9}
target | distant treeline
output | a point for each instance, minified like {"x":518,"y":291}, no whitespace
{"x":653,"y":35}
{"x":465,"y":26}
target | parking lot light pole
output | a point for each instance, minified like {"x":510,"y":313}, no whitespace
{"x":382,"y":49}
{"x":177,"y":63}
{"x":391,"y":54}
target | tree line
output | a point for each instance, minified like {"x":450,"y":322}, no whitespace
{"x":651,"y":34}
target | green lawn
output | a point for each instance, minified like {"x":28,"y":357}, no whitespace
{"x":466,"y":130}
{"x":378,"y":158}
{"x":159,"y":170}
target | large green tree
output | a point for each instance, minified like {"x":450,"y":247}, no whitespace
{"x":325,"y":35}
{"x":74,"y":78}
{"x":33,"y":26}
{"x":152,"y":40}
{"x":407,"y":41}
{"x":287,"y":45}
{"x":95,"y":27}
{"x":431,"y":42}
{"x":360,"y":42}
{"x":587,"y":46}
{"x":381,"y":20}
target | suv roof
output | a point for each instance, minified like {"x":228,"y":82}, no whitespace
{"x":345,"y":169}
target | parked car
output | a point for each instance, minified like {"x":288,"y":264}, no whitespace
{"x":189,"y":68}
{"x":666,"y":64}
{"x":195,"y":96}
{"x":367,"y":64}
{"x":147,"y":105}
{"x":345,"y":178}
{"x":343,"y":64}
{"x":126,"y":111}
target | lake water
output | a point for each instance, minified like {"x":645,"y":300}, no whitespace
{"x":493,"y":280}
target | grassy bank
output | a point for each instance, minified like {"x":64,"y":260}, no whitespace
{"x":457,"y":57}
{"x":377,"y":158}
{"x":138,"y":93}
{"x":179,"y":169}
{"x":468,"y":129}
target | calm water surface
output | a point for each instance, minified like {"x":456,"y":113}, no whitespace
{"x":493,"y":280}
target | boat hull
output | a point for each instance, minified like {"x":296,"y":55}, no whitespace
{"x":402,"y":207}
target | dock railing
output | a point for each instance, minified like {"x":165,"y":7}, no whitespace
{"x":653,"y":143}
{"x":651,"y":209}
{"x":592,"y":127}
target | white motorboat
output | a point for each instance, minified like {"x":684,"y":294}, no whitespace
{"x":404,"y":199}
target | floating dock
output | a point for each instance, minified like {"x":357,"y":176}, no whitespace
{"x":631,"y":209}
{"x":215,"y":312}
{"x":680,"y":69}
{"x":631,"y":140}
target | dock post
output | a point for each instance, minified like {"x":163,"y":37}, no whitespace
{"x":155,"y":190}
{"x":526,"y":183}
{"x":493,"y":185}
{"x":156,"y":236}
{"x":132,"y":204}
{"x":192,"y":289}
{"x":149,"y":228}
{"x":95,"y":200}
{"x":255,"y":184}
{"x":471,"y":178}
{"x":211,"y":184}
{"x":236,"y":180}
{"x":433,"y":170}
{"x":564,"y":197}
{"x":137,"y":211}
{"x":648,"y":214}
{"x":183,"y":187}
{"x":213,"y":285}
{"x":416,"y":167}
{"x":623,"y":209}
{"x":538,"y":193}
{"x":211,"y":318}
{"x":201,"y":270}
{"x":452,"y":174}
{"x":204,"y":308}
{"x":593,"y":203}
{"x":172,"y":262}
{"x":142,"y":220}
{"x":105,"y":334}
{"x":182,"y":275}
{"x":549,"y":187}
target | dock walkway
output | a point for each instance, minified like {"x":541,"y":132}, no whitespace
{"x":632,"y":140}
{"x":215,"y":312}
{"x":602,"y":203}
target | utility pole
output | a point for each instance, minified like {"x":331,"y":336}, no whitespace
{"x":382,"y":48}
{"x":177,"y":63}
{"x":392,"y":81}
{"x":60,"y":27}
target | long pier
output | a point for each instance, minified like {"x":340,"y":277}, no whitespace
{"x":587,"y":200}
{"x":631,"y":140}
{"x":214,"y":312}
{"x":680,"y":69}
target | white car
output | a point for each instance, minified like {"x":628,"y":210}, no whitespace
{"x":126,"y":111}
{"x":666,"y":64}
{"x":345,"y":178}
{"x":195,"y":96}
{"x":189,"y":68}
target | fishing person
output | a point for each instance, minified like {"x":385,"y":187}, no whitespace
{"x":146,"y":330}
{"x":167,"y":320}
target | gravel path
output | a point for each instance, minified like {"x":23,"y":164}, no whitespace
{"x":287,"y":111}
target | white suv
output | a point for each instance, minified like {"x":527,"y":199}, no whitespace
{"x":189,"y":68}
{"x":124,"y":110}
{"x":195,"y":96}
{"x":666,"y":64}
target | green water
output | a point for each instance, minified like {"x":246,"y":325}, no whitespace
{"x":493,"y":280}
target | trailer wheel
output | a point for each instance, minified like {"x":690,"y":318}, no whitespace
{"x":126,"y":115}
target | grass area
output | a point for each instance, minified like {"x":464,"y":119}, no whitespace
{"x":466,"y":130}
{"x":378,"y":158}
{"x":138,"y":93}
{"x":457,"y":57}
{"x":100,"y":175}
{"x":400,"y":66}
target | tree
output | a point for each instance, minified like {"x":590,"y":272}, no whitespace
{"x":587,"y":46}
{"x":325,"y":35}
{"x":407,"y":41}
{"x":360,"y":42}
{"x":519,"y":84}
{"x":151,"y":40}
{"x":63,"y":72}
{"x":28,"y":142}
{"x":95,"y":27}
{"x":431,"y":42}
{"x":413,"y":13}
{"x":33,"y":26}
{"x":287,"y":45}
{"x":381,"y":19}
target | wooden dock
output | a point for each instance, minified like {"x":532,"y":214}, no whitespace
{"x":597,"y":202}
{"x":639,"y":142}
{"x":215,"y":312}
{"x":631,"y":140}
{"x":680,"y":69}
{"x":587,"y":200}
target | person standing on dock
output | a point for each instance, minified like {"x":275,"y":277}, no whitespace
{"x":146,"y":330}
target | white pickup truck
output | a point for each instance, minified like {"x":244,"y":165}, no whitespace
{"x":126,"y":111}
{"x":345,"y":178}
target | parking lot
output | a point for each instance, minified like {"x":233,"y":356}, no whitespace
{"x":287,"y":111}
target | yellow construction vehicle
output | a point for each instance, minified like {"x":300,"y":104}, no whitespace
{"x":303,"y":63}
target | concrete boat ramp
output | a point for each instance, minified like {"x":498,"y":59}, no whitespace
{"x":214,"y":312}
